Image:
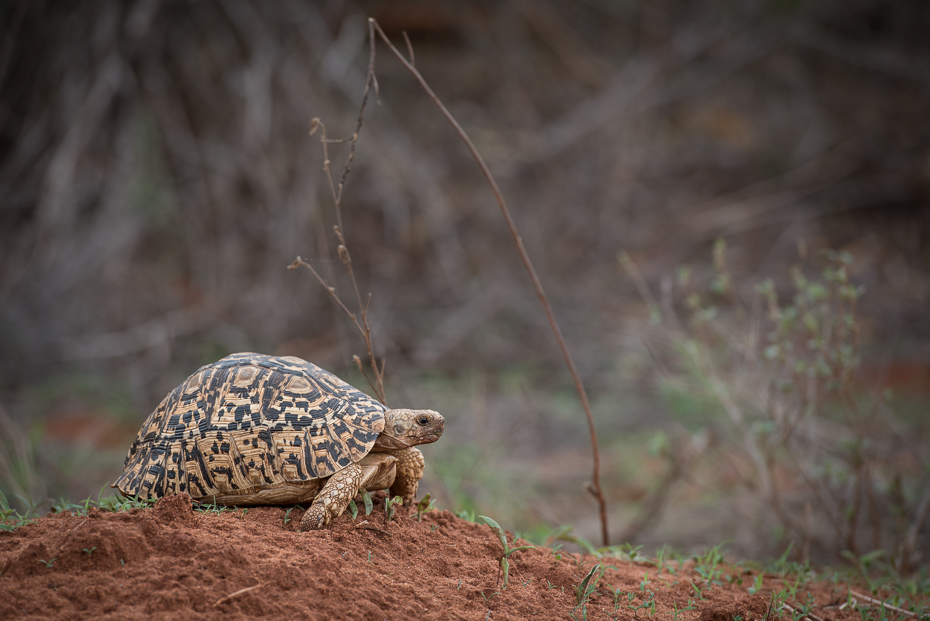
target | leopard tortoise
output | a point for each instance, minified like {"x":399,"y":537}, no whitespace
{"x":252,"y":429}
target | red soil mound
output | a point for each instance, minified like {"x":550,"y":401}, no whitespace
{"x":170,"y":561}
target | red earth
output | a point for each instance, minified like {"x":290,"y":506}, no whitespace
{"x":171,"y":561}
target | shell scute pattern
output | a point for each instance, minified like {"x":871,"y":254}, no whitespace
{"x":250,"y":422}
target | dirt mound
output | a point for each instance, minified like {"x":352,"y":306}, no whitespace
{"x":170,"y":560}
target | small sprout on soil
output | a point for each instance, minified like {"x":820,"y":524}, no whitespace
{"x":211,"y":508}
{"x":459,"y":586}
{"x":487,"y":600}
{"x":353,"y":509}
{"x":368,"y":560}
{"x":435,"y":526}
{"x":502,"y":536}
{"x":389,"y":504}
{"x":287,"y":516}
{"x":615,"y":594}
{"x":677,"y":610}
{"x":630,"y":551}
{"x":549,"y":585}
{"x":366,"y":499}
{"x":649,"y":605}
{"x":644,"y":583}
{"x":122,"y":562}
{"x":468,"y":516}
{"x":424,"y":506}
{"x":89,"y":551}
{"x":48,"y":563}
{"x":697,"y":591}
{"x":584,"y":590}
{"x":756,"y":585}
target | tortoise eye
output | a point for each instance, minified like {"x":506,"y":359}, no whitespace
{"x":423,"y":421}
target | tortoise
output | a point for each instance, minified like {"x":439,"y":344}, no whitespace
{"x":252,"y":429}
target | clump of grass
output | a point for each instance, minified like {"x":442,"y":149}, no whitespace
{"x":390,"y":504}
{"x":211,"y":508}
{"x":502,"y":537}
{"x":10,"y":519}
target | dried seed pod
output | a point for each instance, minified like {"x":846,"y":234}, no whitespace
{"x":344,"y":255}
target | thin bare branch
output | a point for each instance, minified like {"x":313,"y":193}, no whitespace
{"x":413,"y":59}
{"x":540,"y":293}
{"x":363,"y":327}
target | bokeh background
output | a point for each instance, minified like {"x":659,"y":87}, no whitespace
{"x":157,"y":178}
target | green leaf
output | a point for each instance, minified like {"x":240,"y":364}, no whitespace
{"x":494,"y":526}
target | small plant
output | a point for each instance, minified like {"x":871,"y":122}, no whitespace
{"x":487,"y":600}
{"x":648,"y":604}
{"x":676,"y":610}
{"x":587,"y":586}
{"x":49,"y":563}
{"x":287,"y":515}
{"x":353,"y":509}
{"x":659,"y":561}
{"x":89,"y":551}
{"x":502,"y":536}
{"x":424,"y":506}
{"x":698,"y":591}
{"x":11,"y":515}
{"x":389,"y":504}
{"x":211,"y":508}
{"x":756,"y":586}
{"x":615,"y":594}
{"x":366,"y":500}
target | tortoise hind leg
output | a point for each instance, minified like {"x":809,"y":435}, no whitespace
{"x":333,"y":498}
{"x":375,"y":471}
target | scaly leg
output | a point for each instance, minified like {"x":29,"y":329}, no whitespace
{"x":333,"y":498}
{"x":410,"y":466}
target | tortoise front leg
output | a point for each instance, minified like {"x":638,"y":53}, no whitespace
{"x":410,"y":466}
{"x":333,"y":498}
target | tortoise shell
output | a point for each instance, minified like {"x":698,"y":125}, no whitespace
{"x":252,"y":426}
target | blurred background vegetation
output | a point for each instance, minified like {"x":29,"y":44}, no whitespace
{"x":157,"y":177}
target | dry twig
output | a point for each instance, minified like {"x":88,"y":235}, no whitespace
{"x":595,"y":486}
{"x":878,"y":602}
{"x":363,"y":327}
{"x":238,"y":593}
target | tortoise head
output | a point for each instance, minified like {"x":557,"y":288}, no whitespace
{"x":405,"y":428}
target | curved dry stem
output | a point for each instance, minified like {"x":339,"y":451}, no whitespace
{"x":363,"y":327}
{"x":540,"y":293}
